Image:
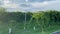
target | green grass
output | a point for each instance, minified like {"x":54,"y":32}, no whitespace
{"x":18,"y":28}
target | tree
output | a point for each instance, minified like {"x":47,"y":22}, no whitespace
{"x":2,"y":9}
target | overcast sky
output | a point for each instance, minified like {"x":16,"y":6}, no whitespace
{"x":30,"y":5}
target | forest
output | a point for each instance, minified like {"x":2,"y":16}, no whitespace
{"x":39,"y":22}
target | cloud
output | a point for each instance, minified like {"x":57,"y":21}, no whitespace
{"x":39,"y":4}
{"x":31,"y":5}
{"x":6,"y":1}
{"x":8,"y":4}
{"x":45,"y":5}
{"x":26,"y":0}
{"x":52,"y":5}
{"x":38,"y":0}
{"x":42,"y":4}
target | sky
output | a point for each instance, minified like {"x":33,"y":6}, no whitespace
{"x":30,"y":5}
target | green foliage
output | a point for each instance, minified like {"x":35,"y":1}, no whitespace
{"x":44,"y":19}
{"x":2,"y":9}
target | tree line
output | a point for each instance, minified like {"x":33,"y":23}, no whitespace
{"x":46,"y":16}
